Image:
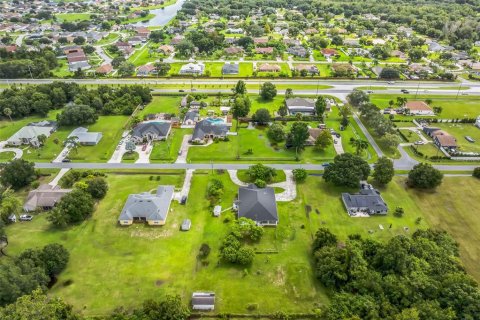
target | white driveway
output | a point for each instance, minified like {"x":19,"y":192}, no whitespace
{"x":18,"y":152}
{"x":182,"y":157}
{"x":62,"y":155}
{"x":144,"y":155}
{"x":337,"y":145}
{"x":289,"y":186}
{"x":186,"y":185}
{"x":59,"y":176}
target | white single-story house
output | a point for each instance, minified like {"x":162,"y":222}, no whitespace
{"x":192,"y":68}
{"x":86,"y":138}
{"x":29,"y":134}
{"x":152,"y":208}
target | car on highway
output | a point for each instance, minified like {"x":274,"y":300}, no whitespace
{"x":369,"y":91}
{"x":406,"y":91}
{"x":26,"y":217}
{"x":181,"y":90}
{"x":325,"y":164}
{"x":391,"y":82}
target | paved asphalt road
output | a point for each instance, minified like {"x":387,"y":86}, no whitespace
{"x":225,"y":166}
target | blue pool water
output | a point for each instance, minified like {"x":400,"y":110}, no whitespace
{"x":215,"y":120}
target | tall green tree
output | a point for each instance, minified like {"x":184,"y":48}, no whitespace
{"x":268,"y":91}
{"x":383,"y":171}
{"x":240,"y":88}
{"x":347,"y":170}
{"x":17,"y":174}
{"x":297,"y":136}
{"x":424,"y":176}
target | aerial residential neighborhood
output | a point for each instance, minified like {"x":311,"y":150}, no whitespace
{"x":239,"y":160}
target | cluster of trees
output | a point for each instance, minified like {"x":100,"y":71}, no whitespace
{"x":17,"y":102}
{"x":348,"y":170}
{"x":17,"y":174}
{"x":32,"y":269}
{"x":374,"y":118}
{"x":451,"y":21}
{"x":405,"y":278}
{"x":214,"y":190}
{"x":241,"y":103}
{"x":37,"y":305}
{"x":261,"y":175}
{"x":27,"y":64}
{"x":234,"y":249}
{"x":78,"y":205}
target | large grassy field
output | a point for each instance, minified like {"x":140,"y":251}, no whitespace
{"x":162,"y":104}
{"x":459,"y":131}
{"x":112,"y":266}
{"x":463,"y":107}
{"x":69,"y":17}
{"x":454,"y":207}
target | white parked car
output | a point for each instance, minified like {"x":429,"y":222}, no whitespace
{"x":26,"y":217}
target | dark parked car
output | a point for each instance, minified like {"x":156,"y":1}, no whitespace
{"x":183,"y":200}
{"x":66,"y":160}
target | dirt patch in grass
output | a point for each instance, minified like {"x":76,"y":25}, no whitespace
{"x":159,"y":283}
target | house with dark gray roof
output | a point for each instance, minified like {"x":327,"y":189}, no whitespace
{"x":257,"y":204}
{"x":230,"y":68}
{"x":366,"y":202}
{"x":300,"y":105}
{"x":191,"y":117}
{"x":150,"y":131}
{"x":209,"y":129}
{"x":147,"y":207}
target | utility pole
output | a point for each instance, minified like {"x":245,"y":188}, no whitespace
{"x":459,"y":88}
{"x":418,"y":87}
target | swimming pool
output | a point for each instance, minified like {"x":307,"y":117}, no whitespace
{"x":215,"y":120}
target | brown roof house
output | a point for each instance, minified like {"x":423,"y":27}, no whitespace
{"x":266,"y":50}
{"x":419,"y":108}
{"x":269,"y":68}
{"x":313,"y":135}
{"x":45,"y":197}
{"x":441,"y":138}
{"x":166,"y":49}
{"x":104,"y":69}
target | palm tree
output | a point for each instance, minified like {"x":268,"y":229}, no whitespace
{"x":359,"y":145}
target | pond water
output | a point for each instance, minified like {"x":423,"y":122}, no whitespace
{"x":163,"y":16}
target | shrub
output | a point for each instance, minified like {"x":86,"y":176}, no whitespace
{"x":476,"y":172}
{"x":398,"y":212}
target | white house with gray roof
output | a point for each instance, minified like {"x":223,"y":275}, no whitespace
{"x":29,"y":134}
{"x":147,"y":207}
{"x":86,"y":138}
{"x":300,"y":105}
{"x":257,"y":204}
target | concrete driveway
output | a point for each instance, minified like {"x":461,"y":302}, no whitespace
{"x":18,"y":152}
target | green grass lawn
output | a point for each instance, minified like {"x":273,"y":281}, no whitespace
{"x":167,"y":151}
{"x":410,"y":135}
{"x":243,"y":176}
{"x":459,"y":131}
{"x":112,"y":266}
{"x":142,"y":56}
{"x":62,"y":70}
{"x":6,"y":156}
{"x":69,"y":17}
{"x":111,"y":37}
{"x":464,"y":106}
{"x":162,"y":104}
{"x":130,"y":157}
{"x":453,"y":208}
